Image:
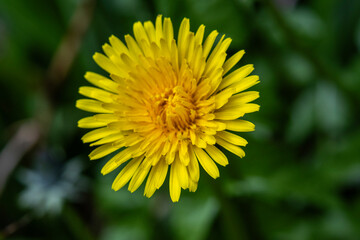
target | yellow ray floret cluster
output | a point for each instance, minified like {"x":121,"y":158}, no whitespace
{"x":166,"y":106}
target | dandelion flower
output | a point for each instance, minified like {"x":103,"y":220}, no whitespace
{"x":167,"y":106}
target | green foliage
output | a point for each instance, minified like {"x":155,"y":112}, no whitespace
{"x":195,"y":216}
{"x":300,"y":176}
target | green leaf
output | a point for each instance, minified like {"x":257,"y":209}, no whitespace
{"x":195,"y":216}
{"x":302,"y":118}
{"x":298,"y":69}
{"x":306,"y":23}
{"x":131,"y":228}
{"x":331,"y":109}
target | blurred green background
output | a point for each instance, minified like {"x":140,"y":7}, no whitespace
{"x":300,"y":178}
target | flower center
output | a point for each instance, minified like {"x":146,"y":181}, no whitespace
{"x":174,"y":109}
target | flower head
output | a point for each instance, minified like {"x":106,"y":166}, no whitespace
{"x":167,"y":105}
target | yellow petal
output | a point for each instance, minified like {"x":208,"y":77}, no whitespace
{"x":207,"y":163}
{"x":90,"y":105}
{"x":156,"y":156}
{"x":130,"y":140}
{"x":199,"y":142}
{"x":246,"y":83}
{"x":232,"y":61}
{"x":236,"y":76}
{"x":192,"y":186}
{"x":217,"y":155}
{"x":102,"y":151}
{"x":139,"y":176}
{"x":150,"y":187}
{"x":168,"y":31}
{"x":96,"y":93}
{"x":243,"y":97}
{"x":209,"y":139}
{"x":232,"y":138}
{"x":118,"y":159}
{"x":106,"y":117}
{"x":156,"y":147}
{"x":215,"y":77}
{"x":183,"y":38}
{"x":174,"y":56}
{"x":134,"y":49}
{"x":127,"y":61}
{"x":199,"y":36}
{"x":212,"y":124}
{"x":102,"y":82}
{"x":223,"y":97}
{"x":218,"y":55}
{"x":150,"y":30}
{"x":118,"y":45}
{"x":161,"y":169}
{"x":150,"y":138}
{"x":97,"y":134}
{"x":109,"y":51}
{"x":202,"y":91}
{"x":209,"y":43}
{"x":170,"y":156}
{"x":230,"y":147}
{"x":198,"y":63}
{"x":92,"y":122}
{"x":174,"y":185}
{"x":193,"y":166}
{"x":126,"y":173}
{"x":239,"y":125}
{"x":109,"y":139}
{"x":181,"y":173}
{"x":122,"y":125}
{"x":139,"y":32}
{"x":184,"y":153}
{"x":106,"y":64}
{"x":234,"y":112}
{"x":158,"y":28}
{"x":191,"y":49}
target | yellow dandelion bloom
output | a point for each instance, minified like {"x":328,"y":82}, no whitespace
{"x":167,"y":105}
